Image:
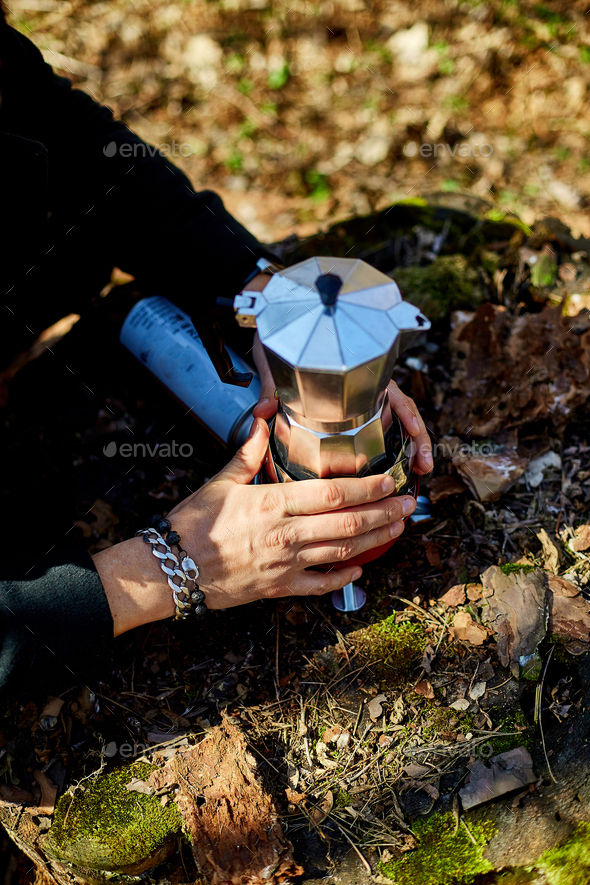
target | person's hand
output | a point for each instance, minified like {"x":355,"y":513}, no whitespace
{"x":402,"y":406}
{"x":260,"y":541}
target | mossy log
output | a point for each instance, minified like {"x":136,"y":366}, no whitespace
{"x":125,"y":823}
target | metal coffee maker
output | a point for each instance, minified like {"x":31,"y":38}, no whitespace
{"x":332,"y":330}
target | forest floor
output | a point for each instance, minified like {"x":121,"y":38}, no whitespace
{"x":299,"y":118}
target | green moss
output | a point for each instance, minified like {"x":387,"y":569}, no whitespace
{"x":510,"y":722}
{"x":544,"y":271}
{"x":516,"y":568}
{"x":570,"y":864}
{"x":445,"y":285}
{"x":342,"y":798}
{"x":443,"y":858}
{"x":389,"y":647}
{"x":105,"y":826}
{"x":443,"y":719}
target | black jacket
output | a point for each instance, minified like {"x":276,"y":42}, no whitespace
{"x":72,"y":207}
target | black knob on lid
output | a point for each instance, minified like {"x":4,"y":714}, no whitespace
{"x":328,"y":285}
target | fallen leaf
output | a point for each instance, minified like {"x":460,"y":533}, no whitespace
{"x":465,"y":629}
{"x":488,"y":475}
{"x":551,"y":554}
{"x":298,"y":614}
{"x":477,"y":691}
{"x":432,"y":551}
{"x":375,"y":708}
{"x":294,"y":797}
{"x":516,"y":608}
{"x":292,"y":775}
{"x":138,"y":786}
{"x":385,"y":740}
{"x":502,"y":774}
{"x":569,"y":616}
{"x":562,"y":587}
{"x":48,"y":793}
{"x":454,"y":596}
{"x":461,"y":704}
{"x":416,"y":771}
{"x":12,"y":795}
{"x":581,"y":540}
{"x":441,"y":487}
{"x":322,"y":754}
{"x":321,"y":811}
{"x":427,"y":657}
{"x":425,"y":689}
{"x":474,"y":592}
{"x":398,"y":712}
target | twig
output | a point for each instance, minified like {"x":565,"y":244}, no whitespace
{"x":364,"y":860}
{"x":468,"y":831}
{"x":553,"y":778}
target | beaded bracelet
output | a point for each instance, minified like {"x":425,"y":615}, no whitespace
{"x":181,"y":571}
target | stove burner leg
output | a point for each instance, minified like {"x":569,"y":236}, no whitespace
{"x":349,"y":599}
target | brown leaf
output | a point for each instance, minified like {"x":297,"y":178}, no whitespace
{"x":294,"y":797}
{"x":375,"y":708}
{"x":551,"y":554}
{"x":466,"y":629}
{"x":505,"y":772}
{"x":139,"y":786}
{"x":298,"y":614}
{"x":474,"y":592}
{"x":425,"y":689}
{"x":491,"y":474}
{"x":582,"y":539}
{"x":562,"y":587}
{"x":569,"y":616}
{"x":48,"y":793}
{"x":322,"y":809}
{"x":516,"y":608}
{"x":444,"y":486}
{"x":433,"y":554}
{"x":455,"y":596}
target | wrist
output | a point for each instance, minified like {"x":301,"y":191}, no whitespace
{"x":136,"y":590}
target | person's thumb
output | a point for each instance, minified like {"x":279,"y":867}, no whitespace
{"x":248,"y":460}
{"x":267,"y":403}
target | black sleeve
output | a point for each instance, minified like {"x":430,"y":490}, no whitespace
{"x":104,"y":180}
{"x":56,"y":628}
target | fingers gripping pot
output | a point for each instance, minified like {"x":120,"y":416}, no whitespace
{"x":332,"y":330}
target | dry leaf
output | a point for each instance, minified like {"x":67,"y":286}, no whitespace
{"x":433,"y":554}
{"x":474,"y":592}
{"x":375,"y":708}
{"x":415,"y":771}
{"x":293,"y":797}
{"x":477,"y":691}
{"x":454,"y":596}
{"x":399,"y":711}
{"x":569,"y":616}
{"x":444,"y":486}
{"x":461,"y":704}
{"x":425,"y":689}
{"x":321,"y":811}
{"x":322,"y":754}
{"x":551,"y":555}
{"x":516,"y":608}
{"x":581,"y":540}
{"x":48,"y":793}
{"x":138,"y":786}
{"x":505,"y":772}
{"x":465,"y":629}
